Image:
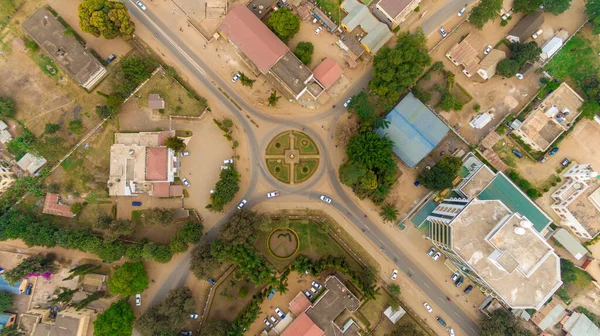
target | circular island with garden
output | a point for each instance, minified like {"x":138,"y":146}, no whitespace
{"x":292,"y":157}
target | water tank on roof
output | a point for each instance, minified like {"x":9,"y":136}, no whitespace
{"x":525,"y":224}
{"x":520,"y":231}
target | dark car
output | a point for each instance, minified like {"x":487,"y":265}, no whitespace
{"x":460,"y":281}
{"x":517,"y":153}
{"x":28,"y":290}
{"x":110,"y":58}
{"x":553,"y":151}
{"x":136,"y":203}
{"x":441,"y":321}
{"x":211,"y":281}
{"x":468,"y":289}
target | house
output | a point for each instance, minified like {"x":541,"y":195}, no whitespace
{"x":550,"y":315}
{"x":487,"y":67}
{"x":579,"y":325}
{"x":551,"y":118}
{"x":327,"y":73}
{"x":7,"y":177}
{"x":415,"y":130}
{"x":303,"y":326}
{"x":93,"y":282}
{"x":68,"y":322}
{"x":577,"y":201}
{"x":526,"y":27}
{"x":65,"y":50}
{"x":5,"y":136}
{"x":6,"y":320}
{"x":352,"y":47}
{"x":554,"y":44}
{"x":466,"y":53}
{"x":54,"y":206}
{"x":155,"y":102}
{"x":396,"y":11}
{"x":141,"y":163}
{"x":359,"y":16}
{"x":327,"y":23}
{"x":394,"y":314}
{"x":570,"y":243}
{"x":31,"y":163}
{"x":481,"y":120}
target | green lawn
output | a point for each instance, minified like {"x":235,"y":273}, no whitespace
{"x":279,"y":170}
{"x":279,"y":144}
{"x":332,"y":8}
{"x":305,"y":145}
{"x":305,"y":169}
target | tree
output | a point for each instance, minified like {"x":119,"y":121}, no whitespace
{"x":175,"y":143}
{"x":590,"y":109}
{"x":162,"y":254}
{"x":440,"y":176}
{"x":11,"y":330}
{"x":396,"y":69}
{"x":363,"y":108}
{"x":129,"y":279}
{"x":31,"y":45}
{"x":169,"y":316}
{"x":556,"y":7}
{"x":525,"y":52}
{"x":202,"y":263}
{"x":191,"y":232}
{"x":304,"y":51}
{"x":389,"y":212}
{"x":351,"y":172}
{"x":113,"y":228}
{"x":216,"y":328}
{"x":407,"y":329}
{"x":76,"y":208}
{"x":448,"y":101}
{"x":241,"y":227}
{"x":371,"y":150}
{"x":508,"y":67}
{"x":117,"y":320}
{"x":485,"y":11}
{"x":51,"y":128}
{"x":6,"y":301}
{"x":178,"y":245}
{"x":76,"y":126}
{"x":105,"y":18}
{"x":225,"y":189}
{"x":105,"y":112}
{"x":527,"y":6}
{"x":395,"y":290}
{"x":33,"y":266}
{"x":7,"y":108}
{"x":273,"y":98}
{"x":502,"y":322}
{"x":592,"y":10}
{"x":159,"y":216}
{"x":284,"y":24}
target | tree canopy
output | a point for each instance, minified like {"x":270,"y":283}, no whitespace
{"x":169,"y":316}
{"x":304,"y":51}
{"x":241,"y":227}
{"x":440,"y":176}
{"x":407,"y":329}
{"x":592,"y":10}
{"x":389,"y":212}
{"x":7,"y":108}
{"x":175,"y":143}
{"x":485,"y":11}
{"x":117,"y":320}
{"x":284,"y":24}
{"x":225,"y":189}
{"x":33,"y":266}
{"x":521,"y":53}
{"x":251,"y":265}
{"x":555,"y":7}
{"x":215,"y":328}
{"x":396,"y":69}
{"x":105,"y":18}
{"x":500,"y":323}
{"x":202,"y":263}
{"x":508,"y":67}
{"x":129,"y":279}
{"x":527,"y":6}
{"x":6,"y":301}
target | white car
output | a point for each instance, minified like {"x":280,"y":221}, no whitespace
{"x":431,"y":252}
{"x":451,"y":331}
{"x":436,"y":256}
{"x":186,"y":182}
{"x":454,"y":277}
{"x":325,"y":199}
{"x":273,"y":319}
{"x":316,"y":285}
{"x":228,"y":161}
{"x":280,"y":313}
{"x":225,"y":167}
{"x":141,"y":5}
{"x":443,"y":32}
{"x":267,"y":323}
{"x":138,"y":299}
{"x":242,"y":203}
{"x":318,"y":30}
{"x":194,"y":316}
{"x":347,"y":102}
{"x":273,"y":194}
{"x":235,"y":77}
{"x":537,"y":34}
{"x":427,"y":307}
{"x":185,"y":154}
{"x":394,"y":274}
{"x":487,"y":50}
{"x":462,"y":11}
{"x":312,"y":289}
{"x":307,"y":293}
{"x":212,"y":191}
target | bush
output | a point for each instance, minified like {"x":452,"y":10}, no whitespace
{"x":7,"y":108}
{"x":76,"y":126}
{"x":51,"y":128}
{"x":225,"y":189}
{"x":304,"y":51}
{"x":31,"y":45}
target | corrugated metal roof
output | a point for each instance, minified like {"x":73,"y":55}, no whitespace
{"x":570,"y":243}
{"x":415,"y":130}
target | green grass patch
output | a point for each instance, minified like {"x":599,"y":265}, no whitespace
{"x":575,"y":281}
{"x":332,"y":8}
{"x":279,"y":144}
{"x":279,"y":170}
{"x":305,"y":145}
{"x":136,"y":217}
{"x":305,"y":169}
{"x":46,"y":64}
{"x":505,"y":154}
{"x":576,"y":61}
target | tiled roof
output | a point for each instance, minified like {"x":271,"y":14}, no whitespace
{"x":328,"y":72}
{"x":302,"y":326}
{"x":299,"y":304}
{"x":393,"y":7}
{"x":160,"y":189}
{"x":52,"y":207}
{"x":156,"y":163}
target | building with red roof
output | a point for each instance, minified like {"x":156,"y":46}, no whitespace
{"x":156,"y":163}
{"x":302,"y":326}
{"x":328,"y":73}
{"x":299,"y":304}
{"x":53,"y":206}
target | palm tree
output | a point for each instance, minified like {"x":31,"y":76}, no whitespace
{"x":388,"y":212}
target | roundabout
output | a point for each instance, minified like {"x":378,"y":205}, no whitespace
{"x":292,"y":157}
{"x":283,"y":243}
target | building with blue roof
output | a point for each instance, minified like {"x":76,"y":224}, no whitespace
{"x":415,"y":130}
{"x":7,"y":319}
{"x":6,"y":287}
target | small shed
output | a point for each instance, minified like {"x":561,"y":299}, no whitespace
{"x":570,"y":243}
{"x":155,"y":102}
{"x":481,"y":120}
{"x":394,"y":314}
{"x":550,"y":48}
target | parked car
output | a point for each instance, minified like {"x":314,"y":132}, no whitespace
{"x":211,"y":281}
{"x":273,"y":194}
{"x":141,"y":5}
{"x":565,"y":162}
{"x":318,"y":30}
{"x":307,"y":293}
{"x":325,"y":199}
{"x":242,"y":203}
{"x":468,"y":289}
{"x":451,"y":331}
{"x":454,"y":277}
{"x":460,"y":281}
{"x":186,"y":333}
{"x":441,"y":321}
{"x":225,"y":167}
{"x":110,"y":58}
{"x":436,"y":256}
{"x":228,"y":161}
{"x":136,"y":203}
{"x":138,"y":299}
{"x":185,"y":153}
{"x":194,"y":316}
{"x":186,"y":182}
{"x":1,"y":270}
{"x":553,"y":151}
{"x":431,"y":252}
{"x":517,"y":153}
{"x":273,"y":319}
{"x":394,"y":274}
{"x":29,"y":289}
{"x":443,"y":32}
{"x":236,"y":77}
{"x":427,"y":307}
{"x":544,"y":159}
{"x":348,"y":102}
{"x":280,"y":313}
{"x":537,"y":34}
{"x":267,"y":323}
{"x":487,"y":50}
{"x":462,"y":11}
{"x":316,"y":285}
{"x":312,"y":289}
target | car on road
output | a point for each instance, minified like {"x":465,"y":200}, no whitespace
{"x":462,"y":11}
{"x":316,"y":285}
{"x":318,"y":30}
{"x":186,"y":182}
{"x":194,"y":316}
{"x":427,"y":307}
{"x":436,"y":256}
{"x":225,"y":167}
{"x":394,"y":274}
{"x":267,"y":323}
{"x":136,"y":203}
{"x":141,"y":5}
{"x":441,"y":321}
{"x":348,"y":102}
{"x":273,"y":319}
{"x":431,"y":252}
{"x":228,"y":161}
{"x":280,"y":313}
{"x":307,"y":293}
{"x":325,"y":199}
{"x":553,"y":151}
{"x":454,"y":276}
{"x":565,"y":162}
{"x":274,"y":193}
{"x":185,"y":153}
{"x":138,"y":299}
{"x":236,"y":77}
{"x":468,"y":289}
{"x":517,"y":153}
{"x":242,"y":203}
{"x":487,"y":50}
{"x":460,"y":281}
{"x":451,"y":331}
{"x":443,"y":32}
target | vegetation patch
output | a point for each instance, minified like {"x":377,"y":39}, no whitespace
{"x":305,"y":169}
{"x":279,"y":144}
{"x":331,"y":8}
{"x":283,"y":243}
{"x":305,"y":144}
{"x":575,"y":281}
{"x":279,"y":169}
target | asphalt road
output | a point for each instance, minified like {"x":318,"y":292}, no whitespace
{"x":341,"y":201}
{"x":433,"y":21}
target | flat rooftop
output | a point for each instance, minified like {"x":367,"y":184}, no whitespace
{"x":331,"y":304}
{"x":290,"y":71}
{"x":484,"y":236}
{"x":148,"y":139}
{"x":585,"y":211}
{"x":478,"y":182}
